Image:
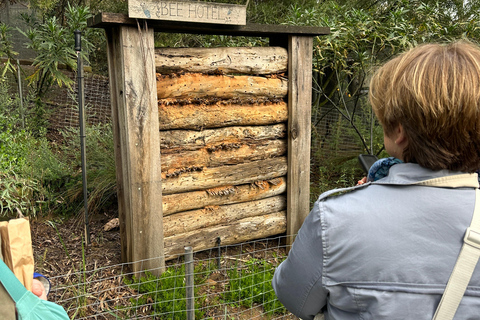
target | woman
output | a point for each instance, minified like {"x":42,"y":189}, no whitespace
{"x":386,"y":249}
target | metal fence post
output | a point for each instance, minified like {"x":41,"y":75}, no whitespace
{"x":219,"y":256}
{"x":81,"y":120}
{"x":189,"y":283}
{"x":20,"y":94}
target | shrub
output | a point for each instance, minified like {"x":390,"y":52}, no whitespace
{"x":6,"y":50}
{"x":100,"y":167}
{"x":20,"y":191}
{"x":166,"y":294}
{"x":251,"y":285}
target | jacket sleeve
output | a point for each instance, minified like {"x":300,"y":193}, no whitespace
{"x":298,"y":280}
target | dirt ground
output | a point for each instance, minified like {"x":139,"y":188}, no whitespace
{"x":58,"y":248}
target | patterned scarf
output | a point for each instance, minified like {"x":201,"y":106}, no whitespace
{"x":381,"y":168}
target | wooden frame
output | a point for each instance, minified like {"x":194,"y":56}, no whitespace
{"x":135,"y":118}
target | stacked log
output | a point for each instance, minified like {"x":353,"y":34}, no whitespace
{"x":223,"y":130}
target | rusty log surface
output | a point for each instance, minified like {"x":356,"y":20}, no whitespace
{"x":225,"y":60}
{"x":226,"y":153}
{"x":195,"y":85}
{"x":221,"y":215}
{"x":201,"y":116}
{"x":240,"y":231}
{"x":173,"y":140}
{"x":216,"y":196}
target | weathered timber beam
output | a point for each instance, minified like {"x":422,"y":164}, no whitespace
{"x":223,"y":154}
{"x":109,"y":20}
{"x":201,"y":116}
{"x":299,"y":132}
{"x":242,"y":230}
{"x":137,"y":145}
{"x":206,"y":178}
{"x":192,"y":139}
{"x":227,"y":60}
{"x":179,"y":202}
{"x":220,"y":215}
{"x":197,"y":85}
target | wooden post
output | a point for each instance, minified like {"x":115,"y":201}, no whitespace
{"x":137,"y":145}
{"x":299,"y":110}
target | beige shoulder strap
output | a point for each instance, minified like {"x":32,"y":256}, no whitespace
{"x":463,"y":270}
{"x":464,"y":180}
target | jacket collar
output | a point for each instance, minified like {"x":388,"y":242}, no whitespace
{"x":414,"y":174}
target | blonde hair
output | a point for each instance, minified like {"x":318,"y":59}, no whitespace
{"x":433,"y":91}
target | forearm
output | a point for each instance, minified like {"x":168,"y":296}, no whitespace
{"x":298,"y":280}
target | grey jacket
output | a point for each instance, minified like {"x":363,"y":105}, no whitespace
{"x":384,"y":250}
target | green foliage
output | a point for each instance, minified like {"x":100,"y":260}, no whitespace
{"x":117,"y":6}
{"x":21,"y":178}
{"x":279,"y":12}
{"x":50,"y":168}
{"x":16,"y":195}
{"x":26,"y":152}
{"x":100,"y":167}
{"x":248,"y":284}
{"x":208,"y":41}
{"x":364,"y":34}
{"x":334,"y":172}
{"x":12,"y":138}
{"x":44,"y":7}
{"x":38,"y":175}
{"x":345,"y":59}
{"x":48,"y":40}
{"x":251,"y":285}
{"x":54,"y":45}
{"x":6,"y":50}
{"x":167,"y":293}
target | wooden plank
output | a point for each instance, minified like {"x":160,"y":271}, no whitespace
{"x":224,"y":154}
{"x":137,"y":114}
{"x":193,"y":140}
{"x":299,"y":103}
{"x":188,"y":11}
{"x":244,"y":60}
{"x":198,"y":117}
{"x":114,"y":70}
{"x":186,"y":201}
{"x":110,"y":20}
{"x":243,"y":230}
{"x":196,"y":178}
{"x":197,"y":85}
{"x":187,"y":221}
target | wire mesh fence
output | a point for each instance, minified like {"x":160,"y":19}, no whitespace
{"x":227,"y":282}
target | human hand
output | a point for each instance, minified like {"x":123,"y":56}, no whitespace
{"x":362,"y":181}
{"x":38,"y":289}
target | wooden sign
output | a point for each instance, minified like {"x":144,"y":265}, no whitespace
{"x":189,"y":11}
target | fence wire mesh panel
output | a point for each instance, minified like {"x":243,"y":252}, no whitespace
{"x":229,"y":282}
{"x":65,"y":102}
{"x":10,"y":14}
{"x":62,"y":103}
